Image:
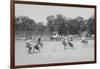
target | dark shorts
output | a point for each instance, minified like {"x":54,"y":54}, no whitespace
{"x":70,"y":43}
{"x":36,"y":47}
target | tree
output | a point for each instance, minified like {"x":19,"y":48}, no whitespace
{"x":73,"y":27}
{"x":40,"y":28}
{"x":90,"y":24}
{"x":60,"y":19}
{"x":50,"y":23}
{"x":24,"y":23}
{"x":63,"y":30}
{"x":54,"y":23}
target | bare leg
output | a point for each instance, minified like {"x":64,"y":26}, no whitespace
{"x":30,"y":50}
{"x":64,"y":47}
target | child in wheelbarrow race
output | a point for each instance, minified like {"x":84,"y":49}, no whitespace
{"x":66,"y":42}
{"x":29,"y":46}
{"x":35,"y":45}
{"x":84,"y":41}
{"x":38,"y":44}
{"x":39,"y":41}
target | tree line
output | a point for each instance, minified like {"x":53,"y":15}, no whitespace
{"x":59,"y":23}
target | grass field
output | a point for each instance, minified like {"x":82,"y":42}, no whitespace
{"x":53,"y":52}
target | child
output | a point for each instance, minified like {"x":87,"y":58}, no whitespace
{"x":28,"y":45}
{"x":64,"y":43}
{"x":39,"y":42}
{"x":84,"y":40}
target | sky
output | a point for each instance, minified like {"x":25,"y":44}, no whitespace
{"x":40,"y":12}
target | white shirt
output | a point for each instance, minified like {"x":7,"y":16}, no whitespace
{"x":83,"y":38}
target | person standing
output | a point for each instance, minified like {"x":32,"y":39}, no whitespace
{"x":84,"y":40}
{"x":64,"y":43}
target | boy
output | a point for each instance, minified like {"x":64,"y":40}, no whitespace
{"x":28,"y":45}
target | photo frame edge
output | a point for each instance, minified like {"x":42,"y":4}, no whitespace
{"x":12,"y":32}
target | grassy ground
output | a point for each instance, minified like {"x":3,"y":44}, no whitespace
{"x":53,"y":52}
